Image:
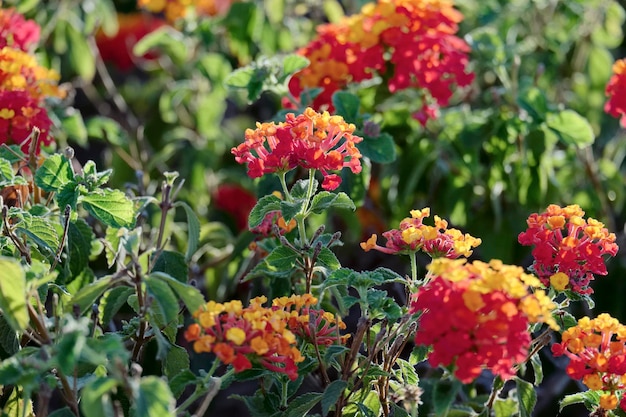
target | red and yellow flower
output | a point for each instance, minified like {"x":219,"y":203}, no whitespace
{"x":310,"y":140}
{"x":413,"y":236}
{"x":616,"y":92}
{"x":17,"y":32}
{"x":566,"y":243}
{"x":597,"y":352}
{"x":476,"y":316}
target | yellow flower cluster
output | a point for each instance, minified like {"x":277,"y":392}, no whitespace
{"x":20,"y":71}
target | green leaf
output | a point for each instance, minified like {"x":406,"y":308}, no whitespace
{"x":82,"y":58}
{"x":96,"y":397}
{"x":240,"y":78}
{"x":13,"y":294}
{"x":6,"y":170}
{"x":328,"y":259}
{"x":591,"y":399}
{"x":87,"y":296}
{"x":526,"y":397}
{"x":69,"y":349}
{"x":301,"y":405}
{"x":79,"y":240}
{"x":63,"y":412}
{"x":290,"y":209}
{"x":381,"y":149}
{"x":280,"y":263}
{"x":408,"y":374}
{"x":534,"y":102}
{"x":164,"y":298}
{"x":325,"y":200}
{"x":293,"y":63}
{"x":41,"y":231}
{"x":193,"y":229}
{"x":332,"y":394}
{"x":107,"y":130}
{"x":444,"y":393}
{"x":74,"y":126}
{"x":191,"y":296}
{"x":8,"y":339}
{"x":571,"y":128}
{"x":167,"y":40}
{"x":535,"y":361}
{"x":505,"y":407}
{"x":153,"y":398}
{"x":112,"y":245}
{"x":180,"y":382}
{"x":264,"y":206}
{"x":111,"y":302}
{"x":301,"y":188}
{"x":176,"y":361}
{"x":173,"y":264}
{"x":111,"y":207}
{"x":54,"y":173}
{"x":346,"y":105}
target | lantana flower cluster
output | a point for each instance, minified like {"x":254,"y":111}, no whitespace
{"x":616,"y":92}
{"x":414,"y":37}
{"x":24,"y":84}
{"x":263,"y":335}
{"x":568,"y":249}
{"x":596,"y":358}
{"x":413,"y":236}
{"x":476,"y":316}
{"x":310,"y":140}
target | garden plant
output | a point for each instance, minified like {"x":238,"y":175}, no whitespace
{"x":326,"y":208}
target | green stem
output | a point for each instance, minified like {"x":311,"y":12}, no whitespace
{"x":201,"y":387}
{"x":413,"y":258}
{"x":283,"y":184}
{"x":284,"y":394}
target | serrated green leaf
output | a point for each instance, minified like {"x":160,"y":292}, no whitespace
{"x":41,"y":232}
{"x":332,"y":394}
{"x":164,"y":299}
{"x":79,"y":240}
{"x":290,"y":209}
{"x":107,"y":130}
{"x":346,"y":105}
{"x":68,"y":350}
{"x":96,"y":397}
{"x":526,"y":397}
{"x":111,"y":302}
{"x":176,"y":361}
{"x":301,"y":188}
{"x":13,"y":294}
{"x":444,"y":393}
{"x":193,"y":229}
{"x":87,"y":296}
{"x":505,"y":407}
{"x":535,"y":361}
{"x":264,"y":206}
{"x":112,"y":246}
{"x":381,"y":149}
{"x":301,"y":405}
{"x":340,"y":277}
{"x":111,"y":207}
{"x":408,"y":373}
{"x":280,"y":262}
{"x":191,"y":296}
{"x":591,"y":399}
{"x":153,"y":398}
{"x":6,"y":171}
{"x":325,"y":200}
{"x":328,"y":258}
{"x":571,"y":127}
{"x":54,"y":173}
{"x":8,"y":339}
{"x":181,"y":381}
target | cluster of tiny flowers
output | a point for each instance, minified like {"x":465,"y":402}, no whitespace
{"x":616,"y":92}
{"x":267,"y":336}
{"x":177,"y":9}
{"x":476,"y":316}
{"x":595,"y":358}
{"x":567,"y":249}
{"x":24,"y":84}
{"x":310,"y":140}
{"x":413,"y":235}
{"x":416,"y":37}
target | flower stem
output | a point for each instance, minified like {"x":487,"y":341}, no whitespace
{"x":283,"y":184}
{"x":215,"y":385}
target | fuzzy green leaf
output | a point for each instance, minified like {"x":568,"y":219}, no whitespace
{"x":79,"y":240}
{"x":176,"y":361}
{"x":332,"y":394}
{"x":505,"y":407}
{"x":111,"y":302}
{"x":444,"y":394}
{"x":571,"y":127}
{"x":346,"y":105}
{"x":293,"y":63}
{"x":13,"y":294}
{"x":301,"y":405}
{"x":40,"y":231}
{"x":193,"y":229}
{"x":96,"y":397}
{"x":265,"y":205}
{"x":325,"y":200}
{"x":54,"y":173}
{"x":290,"y":209}
{"x":526,"y":397}
{"x":173,"y":264}
{"x":111,"y":207}
{"x":87,"y":296}
{"x":191,"y":296}
{"x":153,"y":398}
{"x":164,"y":299}
{"x":381,"y":149}
{"x":82,"y":58}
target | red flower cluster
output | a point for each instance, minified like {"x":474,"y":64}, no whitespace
{"x":265,"y":335}
{"x":17,"y":32}
{"x":310,"y":140}
{"x":476,"y":316}
{"x":117,"y":49}
{"x":24,"y":84}
{"x":413,"y":235}
{"x":564,"y":242}
{"x":417,"y":37}
{"x":596,"y":358}
{"x":236,"y":201}
{"x":616,"y":92}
